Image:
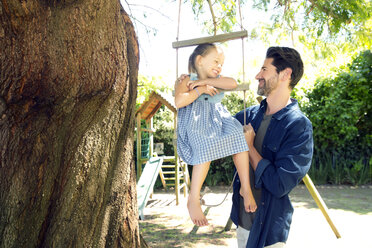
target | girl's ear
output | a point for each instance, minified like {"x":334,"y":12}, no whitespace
{"x":198,"y":60}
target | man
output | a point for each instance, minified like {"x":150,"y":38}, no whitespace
{"x":280,"y":144}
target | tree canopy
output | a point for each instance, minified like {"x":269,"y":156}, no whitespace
{"x":341,"y":25}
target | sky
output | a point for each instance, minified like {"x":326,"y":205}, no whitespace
{"x":158,"y":58}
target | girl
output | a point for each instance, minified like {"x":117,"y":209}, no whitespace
{"x":206,"y":131}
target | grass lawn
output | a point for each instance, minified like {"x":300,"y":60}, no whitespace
{"x":350,"y":209}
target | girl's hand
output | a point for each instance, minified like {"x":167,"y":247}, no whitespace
{"x":193,"y":84}
{"x":181,"y":78}
{"x":190,"y":84}
{"x":210,"y":90}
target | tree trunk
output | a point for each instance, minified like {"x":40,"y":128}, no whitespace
{"x":68,"y":86}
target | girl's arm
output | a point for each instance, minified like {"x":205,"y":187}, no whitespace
{"x":226,"y":83}
{"x":184,"y":95}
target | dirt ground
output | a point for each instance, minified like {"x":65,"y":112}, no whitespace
{"x":350,"y":209}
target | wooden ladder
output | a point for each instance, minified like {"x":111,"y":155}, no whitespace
{"x":175,"y":175}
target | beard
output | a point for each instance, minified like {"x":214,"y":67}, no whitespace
{"x":267,"y":86}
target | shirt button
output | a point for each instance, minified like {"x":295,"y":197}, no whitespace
{"x":263,"y":203}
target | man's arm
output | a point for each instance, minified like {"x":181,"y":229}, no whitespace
{"x":292,"y":161}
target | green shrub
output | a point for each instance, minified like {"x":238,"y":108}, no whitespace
{"x":359,"y":173}
{"x":340,"y":111}
{"x":164,"y":129}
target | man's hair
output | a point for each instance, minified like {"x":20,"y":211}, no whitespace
{"x":285,"y":57}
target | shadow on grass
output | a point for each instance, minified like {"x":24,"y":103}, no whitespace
{"x":161,"y":235}
{"x":355,"y":199}
{"x":168,"y":227}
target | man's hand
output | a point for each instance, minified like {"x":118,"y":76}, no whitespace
{"x":254,"y":156}
{"x":249,"y":135}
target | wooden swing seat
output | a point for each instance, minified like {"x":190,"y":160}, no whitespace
{"x":211,"y":39}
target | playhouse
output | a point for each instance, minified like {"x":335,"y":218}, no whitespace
{"x":174,"y":173}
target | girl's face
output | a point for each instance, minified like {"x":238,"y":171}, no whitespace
{"x":210,"y":65}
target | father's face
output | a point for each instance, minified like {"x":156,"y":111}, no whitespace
{"x":267,"y":78}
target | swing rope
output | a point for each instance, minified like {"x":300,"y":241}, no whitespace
{"x":244,"y":102}
{"x":241,"y":27}
{"x":202,"y":202}
{"x":178,"y":34}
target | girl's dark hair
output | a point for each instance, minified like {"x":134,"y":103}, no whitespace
{"x":202,"y":50}
{"x":285,"y":57}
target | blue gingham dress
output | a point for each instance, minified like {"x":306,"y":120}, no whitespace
{"x":206,"y":131}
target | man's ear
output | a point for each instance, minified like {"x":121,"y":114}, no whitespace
{"x":286,"y":74}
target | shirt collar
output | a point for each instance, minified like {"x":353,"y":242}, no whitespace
{"x":281,"y":113}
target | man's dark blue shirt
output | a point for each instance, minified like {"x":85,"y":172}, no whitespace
{"x":287,"y":150}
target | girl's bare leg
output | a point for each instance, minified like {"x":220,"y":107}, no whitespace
{"x":241,"y":161}
{"x":199,"y":173}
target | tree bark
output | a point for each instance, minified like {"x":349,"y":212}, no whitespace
{"x":68,"y":86}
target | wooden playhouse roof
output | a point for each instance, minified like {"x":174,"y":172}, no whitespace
{"x":152,"y":105}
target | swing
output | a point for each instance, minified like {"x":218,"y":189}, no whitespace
{"x":241,"y":87}
{"x":215,"y":39}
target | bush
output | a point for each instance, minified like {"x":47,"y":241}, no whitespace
{"x":340,"y":111}
{"x":164,"y":126}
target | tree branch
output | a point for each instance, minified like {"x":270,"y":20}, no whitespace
{"x":213,"y":17}
{"x":151,"y":8}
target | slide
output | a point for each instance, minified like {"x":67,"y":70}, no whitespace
{"x":146,"y":182}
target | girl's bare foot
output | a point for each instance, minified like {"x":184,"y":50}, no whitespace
{"x":249,"y":202}
{"x":195,"y":212}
